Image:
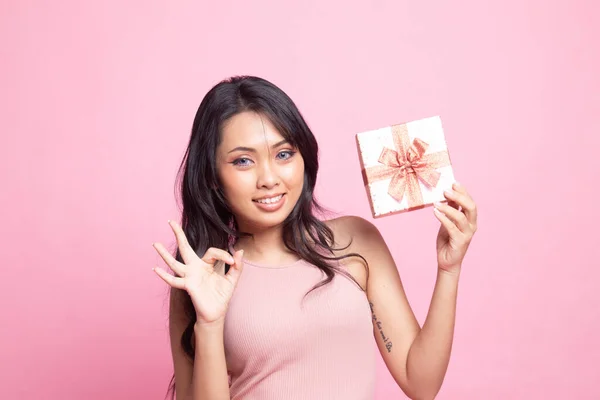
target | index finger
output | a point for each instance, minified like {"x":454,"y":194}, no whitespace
{"x":213,"y":255}
{"x":466,"y":202}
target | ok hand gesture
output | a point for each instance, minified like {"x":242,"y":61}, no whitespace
{"x":209,"y":290}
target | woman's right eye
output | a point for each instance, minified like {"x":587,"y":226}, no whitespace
{"x":241,"y":162}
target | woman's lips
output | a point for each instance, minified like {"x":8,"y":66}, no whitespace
{"x":272,"y":206}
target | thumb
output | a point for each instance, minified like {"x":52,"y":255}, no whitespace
{"x":233,"y":275}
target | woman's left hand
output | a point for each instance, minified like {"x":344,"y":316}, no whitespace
{"x":457,"y":230}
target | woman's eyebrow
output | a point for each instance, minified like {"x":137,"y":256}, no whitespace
{"x":252,"y":150}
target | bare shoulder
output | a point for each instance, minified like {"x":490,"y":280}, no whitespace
{"x":355,"y":230}
{"x":356,"y":235}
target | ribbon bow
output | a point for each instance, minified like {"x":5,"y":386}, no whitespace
{"x":406,"y":166}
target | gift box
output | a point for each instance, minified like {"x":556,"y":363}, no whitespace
{"x":405,"y":167}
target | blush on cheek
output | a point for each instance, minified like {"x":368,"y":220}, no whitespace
{"x":238,"y":189}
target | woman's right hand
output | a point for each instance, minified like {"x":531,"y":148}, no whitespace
{"x":210,"y":291}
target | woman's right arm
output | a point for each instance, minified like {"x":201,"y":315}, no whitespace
{"x":210,"y":292}
{"x":206,"y":378}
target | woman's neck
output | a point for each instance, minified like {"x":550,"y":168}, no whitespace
{"x":265,"y":247}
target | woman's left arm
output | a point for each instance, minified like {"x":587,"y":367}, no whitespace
{"x":418,"y":357}
{"x":429,"y":354}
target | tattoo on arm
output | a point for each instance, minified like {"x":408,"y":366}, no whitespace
{"x":386,"y":340}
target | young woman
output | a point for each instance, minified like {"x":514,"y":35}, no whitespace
{"x":270,"y":302}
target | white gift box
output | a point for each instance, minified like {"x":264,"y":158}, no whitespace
{"x":406,"y":166}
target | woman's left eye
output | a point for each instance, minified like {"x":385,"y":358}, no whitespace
{"x":284,"y":155}
{"x":241,"y":162}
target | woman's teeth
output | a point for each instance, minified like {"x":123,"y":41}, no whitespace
{"x":271,"y":200}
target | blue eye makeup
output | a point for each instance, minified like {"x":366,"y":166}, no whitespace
{"x":283,"y":155}
{"x":286,"y":153}
{"x":241,"y":162}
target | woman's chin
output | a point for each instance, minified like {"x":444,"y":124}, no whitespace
{"x":269,"y":221}
{"x":272,"y":221}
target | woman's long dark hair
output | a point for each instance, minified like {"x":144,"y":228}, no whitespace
{"x":207,"y":220}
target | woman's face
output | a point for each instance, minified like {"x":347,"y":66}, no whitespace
{"x":261,"y":174}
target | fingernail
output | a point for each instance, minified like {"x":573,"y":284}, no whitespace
{"x":448,"y":192}
{"x":437,"y":204}
{"x":457,"y":184}
{"x":168,"y":221}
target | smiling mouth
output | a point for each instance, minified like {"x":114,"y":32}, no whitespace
{"x":269,"y":200}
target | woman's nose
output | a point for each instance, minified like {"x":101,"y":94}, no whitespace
{"x":267,"y":176}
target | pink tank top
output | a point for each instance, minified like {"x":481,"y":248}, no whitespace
{"x":278,"y":346}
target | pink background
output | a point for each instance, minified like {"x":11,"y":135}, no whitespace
{"x":96,"y":107}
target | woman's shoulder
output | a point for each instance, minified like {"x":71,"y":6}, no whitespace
{"x":355,"y":235}
{"x":351,"y":227}
{"x":359,"y":234}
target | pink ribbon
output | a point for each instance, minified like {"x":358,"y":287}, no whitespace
{"x":406,"y":166}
